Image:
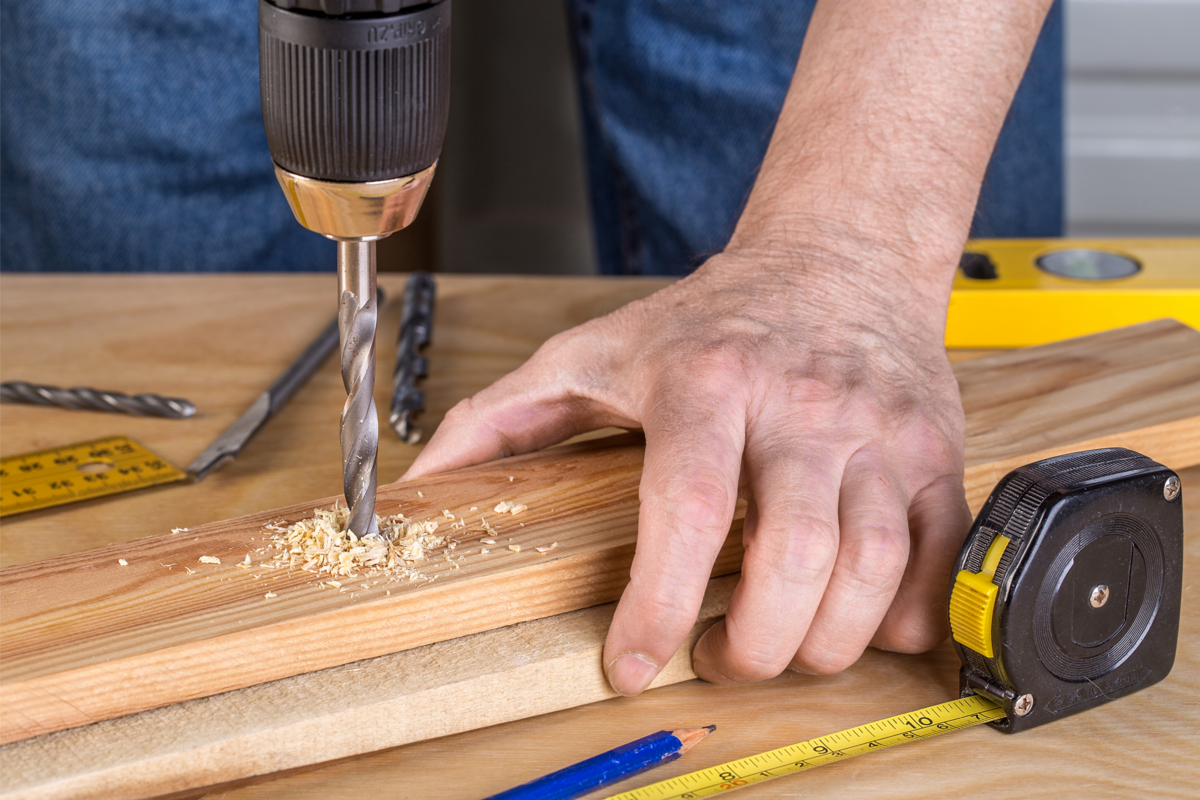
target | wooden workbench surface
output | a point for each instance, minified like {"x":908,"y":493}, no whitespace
{"x":220,"y":340}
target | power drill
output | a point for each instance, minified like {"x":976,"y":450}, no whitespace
{"x":355,"y":98}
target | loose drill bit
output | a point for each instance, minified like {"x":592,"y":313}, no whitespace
{"x":416,"y":325}
{"x":82,"y":398}
{"x":357,"y":311}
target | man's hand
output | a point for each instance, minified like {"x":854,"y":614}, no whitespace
{"x":828,"y":399}
{"x":804,"y":365}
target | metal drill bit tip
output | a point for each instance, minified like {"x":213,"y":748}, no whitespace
{"x":81,"y":398}
{"x":401,"y":422}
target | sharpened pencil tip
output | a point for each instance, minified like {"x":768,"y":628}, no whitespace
{"x":690,"y":737}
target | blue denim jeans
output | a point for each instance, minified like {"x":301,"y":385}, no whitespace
{"x":679,"y":103}
{"x":131,"y":140}
{"x":131,"y":134}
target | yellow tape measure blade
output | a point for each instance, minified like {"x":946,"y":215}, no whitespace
{"x":59,"y":475}
{"x":923,"y":724}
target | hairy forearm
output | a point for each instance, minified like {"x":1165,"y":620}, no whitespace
{"x":888,"y":126}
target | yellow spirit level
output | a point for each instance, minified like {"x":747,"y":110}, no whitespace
{"x":1020,"y":292}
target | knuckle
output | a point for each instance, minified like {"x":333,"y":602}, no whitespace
{"x":872,"y":562}
{"x":804,"y":555}
{"x":825,"y":661}
{"x":461,"y":410}
{"x":672,"y":614}
{"x":754,"y":661}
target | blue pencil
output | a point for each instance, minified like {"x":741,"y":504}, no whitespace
{"x":615,"y":765}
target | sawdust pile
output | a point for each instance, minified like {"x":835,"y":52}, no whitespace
{"x":322,"y":545}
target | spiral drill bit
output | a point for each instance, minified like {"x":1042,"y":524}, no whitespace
{"x":357,"y":311}
{"x":416,"y":327}
{"x":81,"y":398}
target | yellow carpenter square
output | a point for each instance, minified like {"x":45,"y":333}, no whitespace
{"x":59,"y":475}
{"x":1033,"y":291}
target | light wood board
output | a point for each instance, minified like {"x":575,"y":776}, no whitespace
{"x":1138,"y":747}
{"x":1143,"y":746}
{"x":86,"y":639}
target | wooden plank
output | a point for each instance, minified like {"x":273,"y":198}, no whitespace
{"x":1137,"y":747}
{"x":437,"y":690}
{"x":467,"y":684}
{"x":86,"y":639}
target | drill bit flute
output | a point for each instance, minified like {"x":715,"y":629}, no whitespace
{"x":360,"y":422}
{"x":355,"y":97}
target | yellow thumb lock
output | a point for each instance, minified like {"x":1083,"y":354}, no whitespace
{"x":974,"y":599}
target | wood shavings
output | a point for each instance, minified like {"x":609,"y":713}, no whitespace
{"x":516,"y":548}
{"x":487,"y":541}
{"x":190,"y":571}
{"x":269,"y":595}
{"x":448,"y":515}
{"x":509,"y":507}
{"x":322,"y":545}
{"x":420,"y":493}
{"x":179,"y":530}
{"x":510,"y":478}
{"x":122,"y":562}
{"x":474,"y":508}
{"x":244,"y":564}
{"x":483,"y":550}
{"x":544,"y":550}
{"x":209,"y":560}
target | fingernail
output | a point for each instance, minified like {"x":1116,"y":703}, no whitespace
{"x":631,"y":673}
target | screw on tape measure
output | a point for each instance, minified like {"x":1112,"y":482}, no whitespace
{"x":1067,"y":596}
{"x":58,"y":475}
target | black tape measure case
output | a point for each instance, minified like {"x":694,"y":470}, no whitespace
{"x":1069,"y":585}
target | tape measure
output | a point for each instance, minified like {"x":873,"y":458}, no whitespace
{"x":1020,"y":292}
{"x":1066,"y":597}
{"x":59,"y":475}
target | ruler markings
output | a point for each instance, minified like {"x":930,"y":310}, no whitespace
{"x":881,"y":734}
{"x":53,"y":476}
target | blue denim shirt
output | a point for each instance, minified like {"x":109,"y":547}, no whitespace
{"x":131,"y":134}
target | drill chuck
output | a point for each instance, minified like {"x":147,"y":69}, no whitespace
{"x":356,"y":97}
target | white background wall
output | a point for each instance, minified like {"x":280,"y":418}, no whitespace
{"x":510,"y":193}
{"x":1133,"y":117}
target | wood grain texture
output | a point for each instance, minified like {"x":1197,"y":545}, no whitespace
{"x":220,"y":340}
{"x":1143,"y":746}
{"x":1139,"y":747}
{"x":86,"y":639}
{"x":437,"y":690}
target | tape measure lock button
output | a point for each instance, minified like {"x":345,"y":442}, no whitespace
{"x":1069,"y":586}
{"x":973,"y":601}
